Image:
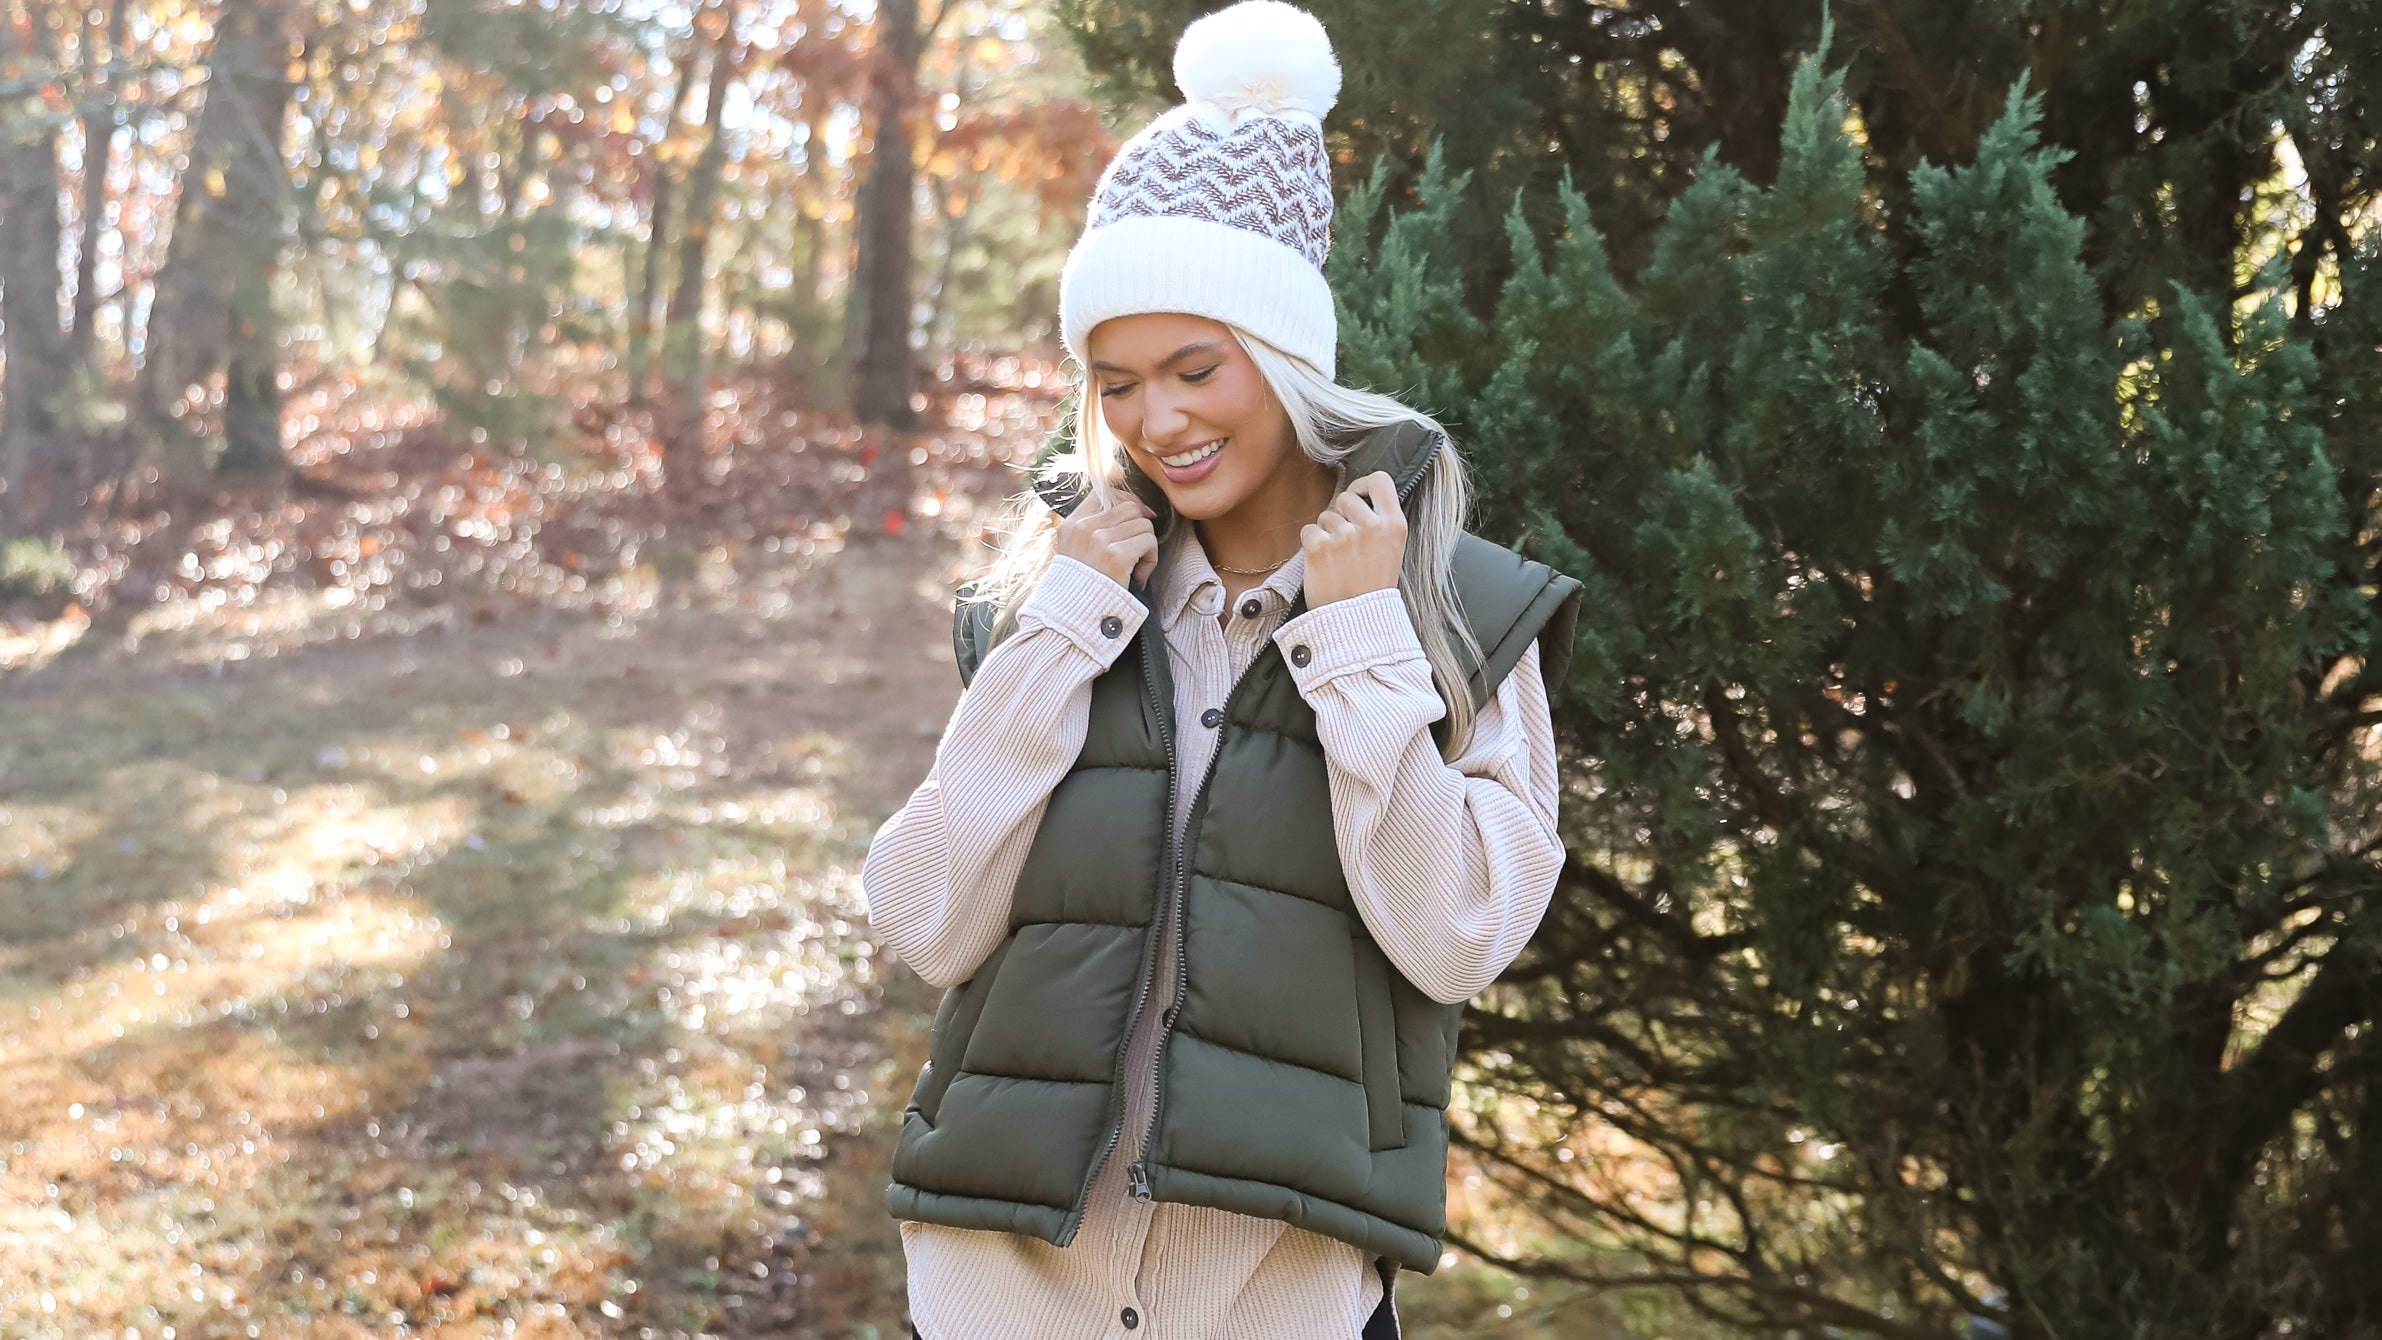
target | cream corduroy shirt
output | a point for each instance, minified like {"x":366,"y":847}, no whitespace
{"x":1450,"y":865}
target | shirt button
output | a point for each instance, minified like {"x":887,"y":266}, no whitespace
{"x":1130,"y":1317}
{"x":1299,"y":656}
{"x":1251,"y":608}
{"x":1212,"y":718}
{"x":1112,"y":626}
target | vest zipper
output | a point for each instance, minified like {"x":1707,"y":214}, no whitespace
{"x":1179,"y":885}
{"x":1406,"y":486}
{"x":1139,"y":1185}
{"x":1138,"y":1172}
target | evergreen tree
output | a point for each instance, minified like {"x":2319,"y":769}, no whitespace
{"x":1973,"y":750}
{"x":2165,"y":109}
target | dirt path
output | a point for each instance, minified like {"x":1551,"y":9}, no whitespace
{"x":481,"y":967}
{"x":413,"y":975}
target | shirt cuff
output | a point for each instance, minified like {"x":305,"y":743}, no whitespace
{"x":1366,"y":632}
{"x":1081,"y":604}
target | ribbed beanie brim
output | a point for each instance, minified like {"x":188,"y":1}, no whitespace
{"x":1160,"y":264}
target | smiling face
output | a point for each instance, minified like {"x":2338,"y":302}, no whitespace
{"x":1193,"y":412}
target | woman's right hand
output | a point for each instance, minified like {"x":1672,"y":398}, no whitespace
{"x":1119,"y":541}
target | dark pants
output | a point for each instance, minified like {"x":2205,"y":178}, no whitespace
{"x":1382,"y":1325}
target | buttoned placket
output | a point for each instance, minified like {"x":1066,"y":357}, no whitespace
{"x":1207,"y":655}
{"x":1230,"y":643}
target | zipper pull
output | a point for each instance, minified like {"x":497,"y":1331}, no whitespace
{"x":1137,"y":1178}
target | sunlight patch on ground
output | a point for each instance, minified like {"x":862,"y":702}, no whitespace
{"x":464,"y":980}
{"x":236,"y":962}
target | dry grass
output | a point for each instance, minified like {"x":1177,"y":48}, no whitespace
{"x":460,"y":979}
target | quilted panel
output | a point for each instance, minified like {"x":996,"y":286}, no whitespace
{"x":1007,"y":1139}
{"x":1097,"y":856}
{"x":1057,"y":1009}
{"x":1235,"y":1115}
{"x":1269,"y":820}
{"x":1274,"y":974}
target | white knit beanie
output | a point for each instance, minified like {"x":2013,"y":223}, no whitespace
{"x":1222,"y":207}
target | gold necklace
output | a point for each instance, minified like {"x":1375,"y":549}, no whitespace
{"x":1254,"y":572}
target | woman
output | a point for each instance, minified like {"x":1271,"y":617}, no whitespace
{"x":1252,"y":785}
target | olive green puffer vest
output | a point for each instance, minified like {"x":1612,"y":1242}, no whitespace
{"x":1300,"y":1077}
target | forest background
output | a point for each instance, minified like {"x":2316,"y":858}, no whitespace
{"x":480,"y":484}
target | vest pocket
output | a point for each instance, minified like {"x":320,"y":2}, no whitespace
{"x":1377,"y":1028}
{"x":955,"y":1022}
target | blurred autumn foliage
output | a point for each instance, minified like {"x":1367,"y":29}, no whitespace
{"x":427,"y":428}
{"x":288,"y":255}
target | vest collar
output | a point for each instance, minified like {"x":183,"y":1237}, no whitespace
{"x":1401,"y":450}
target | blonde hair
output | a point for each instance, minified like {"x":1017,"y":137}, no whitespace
{"x":1329,"y":421}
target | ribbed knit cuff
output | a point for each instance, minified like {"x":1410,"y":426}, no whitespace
{"x":1364,"y":632}
{"x":1150,"y":264}
{"x":1081,"y":604}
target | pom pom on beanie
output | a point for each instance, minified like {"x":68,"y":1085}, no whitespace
{"x":1222,"y":207}
{"x":1261,"y":57}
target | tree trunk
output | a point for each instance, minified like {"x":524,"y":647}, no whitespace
{"x":29,"y":282}
{"x":659,"y":188}
{"x":810,"y":318}
{"x":682,"y":331}
{"x":955,"y":236}
{"x":881,"y":298}
{"x":528,"y":314}
{"x":213,"y":310}
{"x":103,"y":31}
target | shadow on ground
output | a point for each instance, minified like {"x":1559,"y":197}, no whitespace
{"x":464,"y":979}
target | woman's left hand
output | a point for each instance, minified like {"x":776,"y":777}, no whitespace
{"x":1358,"y":545}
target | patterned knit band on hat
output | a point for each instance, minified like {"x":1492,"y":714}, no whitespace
{"x":1222,"y":207}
